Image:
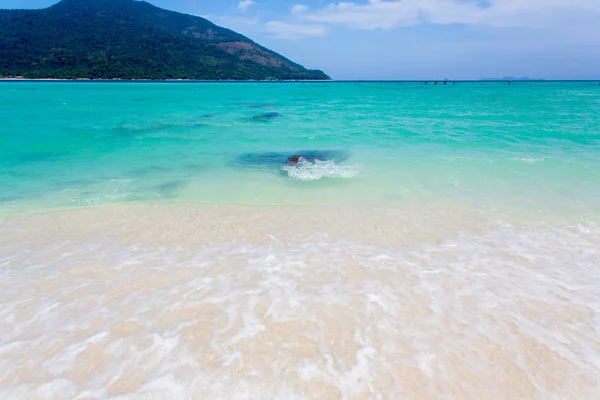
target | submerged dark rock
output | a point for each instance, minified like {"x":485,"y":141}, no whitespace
{"x":8,"y":199}
{"x":134,"y":129}
{"x":169,"y":189}
{"x":265,"y":117}
{"x":260,"y":105}
{"x":169,"y":186}
{"x":37,"y":156}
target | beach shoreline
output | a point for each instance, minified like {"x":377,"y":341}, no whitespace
{"x":376,"y":225}
{"x":316,"y":302}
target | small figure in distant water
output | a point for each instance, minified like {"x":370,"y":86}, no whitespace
{"x":509,"y":82}
{"x":445,"y":81}
{"x":427,"y":83}
{"x":435,"y":83}
{"x":454,"y":82}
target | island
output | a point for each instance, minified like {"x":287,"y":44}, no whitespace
{"x":127,"y":39}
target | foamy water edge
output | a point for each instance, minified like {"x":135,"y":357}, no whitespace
{"x":509,"y":310}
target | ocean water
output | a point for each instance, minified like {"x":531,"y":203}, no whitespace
{"x":430,"y":242}
{"x":74,"y":144}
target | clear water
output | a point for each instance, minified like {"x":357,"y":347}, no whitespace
{"x":433,"y":242}
{"x":534,"y":145}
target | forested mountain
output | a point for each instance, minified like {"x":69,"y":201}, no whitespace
{"x":127,"y":39}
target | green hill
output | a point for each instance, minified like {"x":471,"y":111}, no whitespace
{"x":127,"y":39}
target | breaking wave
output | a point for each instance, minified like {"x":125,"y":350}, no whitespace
{"x":306,"y":170}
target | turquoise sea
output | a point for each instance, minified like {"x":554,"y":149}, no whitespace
{"x":535,"y":145}
{"x":295,"y":241}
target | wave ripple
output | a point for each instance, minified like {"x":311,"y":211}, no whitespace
{"x":305,"y":170}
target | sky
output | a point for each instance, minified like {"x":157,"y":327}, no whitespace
{"x":413,"y":39}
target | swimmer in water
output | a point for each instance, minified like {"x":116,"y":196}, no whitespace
{"x":312,"y":158}
{"x":295,"y":159}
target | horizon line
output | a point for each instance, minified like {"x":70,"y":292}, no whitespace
{"x":297,"y":81}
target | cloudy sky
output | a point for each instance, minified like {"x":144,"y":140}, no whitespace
{"x":414,"y":39}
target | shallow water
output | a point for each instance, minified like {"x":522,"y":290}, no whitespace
{"x":429,"y":242}
{"x":73,"y":144}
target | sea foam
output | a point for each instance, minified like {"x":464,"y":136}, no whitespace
{"x":308,"y":318}
{"x":306,"y":170}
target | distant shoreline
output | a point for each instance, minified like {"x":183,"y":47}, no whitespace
{"x":149,"y":80}
{"x":439,"y":81}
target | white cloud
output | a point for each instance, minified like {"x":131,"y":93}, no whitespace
{"x":255,"y":27}
{"x":243,"y":5}
{"x":284,"y":30}
{"x":388,"y":14}
{"x":299,"y":9}
{"x":569,"y":17}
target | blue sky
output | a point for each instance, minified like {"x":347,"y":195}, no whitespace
{"x":414,"y":39}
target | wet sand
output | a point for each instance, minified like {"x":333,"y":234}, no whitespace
{"x":181,"y":301}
